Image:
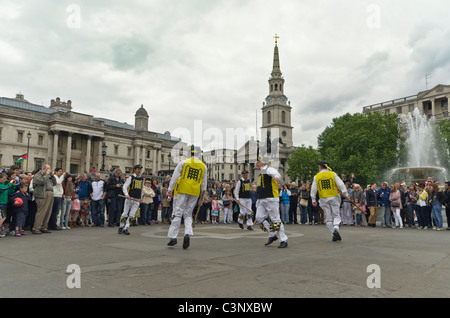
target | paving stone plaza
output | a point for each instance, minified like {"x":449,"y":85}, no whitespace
{"x":225,"y":261}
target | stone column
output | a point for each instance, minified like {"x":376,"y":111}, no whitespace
{"x":55,"y":149}
{"x":88,"y":154}
{"x":154,"y":151}
{"x":68,"y":152}
{"x":158,"y":157}
{"x":433,"y":107}
{"x":136,"y":154}
{"x":100,"y":156}
{"x":143,"y":157}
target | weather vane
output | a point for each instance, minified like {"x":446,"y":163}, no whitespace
{"x":276,"y":37}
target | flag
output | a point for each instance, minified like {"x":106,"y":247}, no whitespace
{"x":22,"y":158}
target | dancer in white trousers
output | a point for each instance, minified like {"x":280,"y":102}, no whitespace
{"x":267,"y":206}
{"x":327,"y":184}
{"x":132,"y":189}
{"x":243,"y":196}
{"x":191,"y":176}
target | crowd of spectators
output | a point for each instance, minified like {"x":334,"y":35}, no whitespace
{"x":47,"y":200}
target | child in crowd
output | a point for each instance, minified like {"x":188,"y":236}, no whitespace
{"x":214,"y":209}
{"x":20,"y":209}
{"x":74,"y":212}
{"x":84,"y":211}
{"x":165,"y":202}
{"x":227,"y":206}
{"x":358,"y":213}
{"x":6,"y":189}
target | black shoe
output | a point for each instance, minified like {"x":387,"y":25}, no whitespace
{"x":336,"y":236}
{"x":126,"y":232}
{"x":186,"y":241}
{"x":249,"y":228}
{"x":283,"y":244}
{"x":172,"y":242}
{"x":36,"y":232}
{"x":241,"y":226}
{"x":271,"y":240}
{"x":45,"y":231}
{"x":120,"y":230}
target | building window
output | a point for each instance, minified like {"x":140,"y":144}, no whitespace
{"x":283,"y":117}
{"x":116,"y":150}
{"x":38,"y":163}
{"x":1,"y":133}
{"x":399,"y":110}
{"x":444,"y":103}
{"x":20,"y":137}
{"x":276,"y":87}
{"x":411,"y":107}
{"x":269,"y":117}
{"x":129,"y":151}
{"x":271,"y":87}
{"x":387,"y":111}
{"x":74,"y":144}
{"x":40,"y":140}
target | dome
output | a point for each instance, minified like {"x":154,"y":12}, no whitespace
{"x":141,"y":112}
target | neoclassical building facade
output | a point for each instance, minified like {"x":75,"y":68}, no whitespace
{"x":78,"y":142}
{"x":432,"y":102}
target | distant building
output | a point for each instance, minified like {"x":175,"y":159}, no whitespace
{"x":78,"y":142}
{"x":433,"y":102}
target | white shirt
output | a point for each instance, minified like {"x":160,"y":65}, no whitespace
{"x":238,"y":187}
{"x":340,"y":184}
{"x":177,"y":174}
{"x":274,"y":174}
{"x":58,"y":190}
{"x":97,"y":189}
{"x":128,"y":183}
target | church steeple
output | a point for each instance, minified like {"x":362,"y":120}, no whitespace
{"x":276,"y":108}
{"x":276,"y":71}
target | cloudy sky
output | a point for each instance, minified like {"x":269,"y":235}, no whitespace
{"x":210,"y":60}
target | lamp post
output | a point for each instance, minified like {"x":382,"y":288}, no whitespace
{"x":104,"y":147}
{"x":170,"y":157}
{"x":28,"y":149}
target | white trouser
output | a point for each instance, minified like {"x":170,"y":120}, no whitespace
{"x":227,"y":213}
{"x":347,"y":213}
{"x":129,"y":212}
{"x":398,"y":218}
{"x":331,"y":209}
{"x":244,"y":212}
{"x":184,"y":207}
{"x":270,"y":208}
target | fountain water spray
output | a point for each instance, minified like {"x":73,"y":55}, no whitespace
{"x":423,"y":160}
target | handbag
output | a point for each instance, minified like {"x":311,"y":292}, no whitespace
{"x":303,"y":202}
{"x":395,"y":204}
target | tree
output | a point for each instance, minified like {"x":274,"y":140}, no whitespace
{"x":365,"y":144}
{"x":442,"y":136}
{"x":303,"y":164}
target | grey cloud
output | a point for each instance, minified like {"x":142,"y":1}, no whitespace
{"x":129,"y":54}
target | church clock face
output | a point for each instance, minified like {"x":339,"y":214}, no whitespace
{"x":283,"y":100}
{"x":284,"y":133}
{"x":269,"y":100}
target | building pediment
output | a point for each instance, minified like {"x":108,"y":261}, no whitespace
{"x":436,"y":92}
